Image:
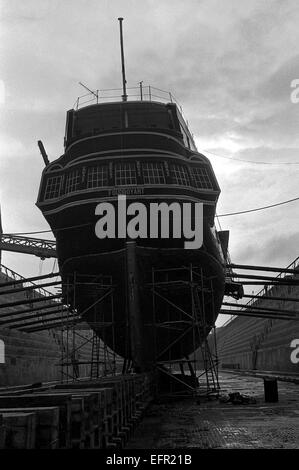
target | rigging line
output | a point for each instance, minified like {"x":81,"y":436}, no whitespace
{"x":227,"y":252}
{"x":218,"y":221}
{"x":29,"y":233}
{"x":250,"y":161}
{"x":48,"y":231}
{"x":259,"y":208}
{"x":54,"y":265}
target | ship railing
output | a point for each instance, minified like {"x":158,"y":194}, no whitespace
{"x":293,"y":265}
{"x":137,"y":93}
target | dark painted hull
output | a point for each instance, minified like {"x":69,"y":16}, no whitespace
{"x":81,"y":252}
{"x":145,"y":151}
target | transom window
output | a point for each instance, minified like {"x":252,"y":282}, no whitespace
{"x":97,"y":176}
{"x":125,"y":174}
{"x":202,"y":178}
{"x":53,"y":187}
{"x":179,"y":175}
{"x":73,"y":181}
{"x":153,"y":173}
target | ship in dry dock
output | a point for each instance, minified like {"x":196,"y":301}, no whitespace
{"x":144,"y":150}
{"x":141,"y":149}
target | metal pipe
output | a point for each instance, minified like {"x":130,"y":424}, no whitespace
{"x":42,"y":322}
{"x":20,"y":289}
{"x":34,"y":315}
{"x":141,"y":95}
{"x":90,"y":91}
{"x":29,"y":301}
{"x":28,"y":279}
{"x":264,"y":297}
{"x":61,"y":307}
{"x":243,"y":314}
{"x":262,"y":268}
{"x":43,"y":152}
{"x":230,"y":304}
{"x":260,"y":283}
{"x":49,"y":326}
{"x":124,"y":96}
{"x":28,"y":317}
{"x":265,"y":278}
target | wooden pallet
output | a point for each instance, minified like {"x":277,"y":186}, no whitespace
{"x":2,"y":433}
{"x":123,"y":406}
{"x":76,"y":430}
{"x":63,"y":402}
{"x":47,"y":425}
{"x":101,"y":413}
{"x":20,"y":430}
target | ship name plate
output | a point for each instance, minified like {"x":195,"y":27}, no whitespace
{"x":126,"y":191}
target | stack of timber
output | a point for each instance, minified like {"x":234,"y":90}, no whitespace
{"x":101,"y":413}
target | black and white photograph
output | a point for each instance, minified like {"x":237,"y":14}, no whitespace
{"x":149,"y":229}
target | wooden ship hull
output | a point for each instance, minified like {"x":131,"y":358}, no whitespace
{"x":164,"y":298}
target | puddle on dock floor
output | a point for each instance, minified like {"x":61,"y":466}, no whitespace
{"x":212,"y":425}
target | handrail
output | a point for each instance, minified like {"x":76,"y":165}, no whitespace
{"x":145,"y":93}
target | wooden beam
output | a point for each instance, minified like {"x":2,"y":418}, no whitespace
{"x":30,"y":301}
{"x":267,"y":309}
{"x":28,"y":279}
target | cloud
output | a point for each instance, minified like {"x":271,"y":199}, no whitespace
{"x":278,"y":250}
{"x":229,"y":63}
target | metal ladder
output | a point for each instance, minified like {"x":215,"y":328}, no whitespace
{"x":95,"y":357}
{"x":210,"y":365}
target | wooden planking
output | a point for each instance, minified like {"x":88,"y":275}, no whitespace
{"x":124,"y":398}
{"x":85,"y":425}
{"x":2,"y":433}
{"x":20,"y":430}
{"x":64,"y":403}
{"x":99,"y":413}
{"x":47,"y":425}
{"x":108,"y":411}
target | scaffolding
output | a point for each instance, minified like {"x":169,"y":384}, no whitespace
{"x":87,"y":338}
{"x":191,"y":321}
{"x":74,"y":333}
{"x":195,"y":373}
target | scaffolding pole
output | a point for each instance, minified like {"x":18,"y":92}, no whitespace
{"x":189,"y":322}
{"x":74,"y":344}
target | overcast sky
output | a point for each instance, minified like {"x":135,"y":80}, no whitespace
{"x":230,"y":63}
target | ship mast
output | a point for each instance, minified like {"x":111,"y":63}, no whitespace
{"x":43,"y":152}
{"x":124,"y":96}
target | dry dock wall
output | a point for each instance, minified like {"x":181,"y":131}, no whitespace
{"x":33,"y":357}
{"x":29,"y":357}
{"x":262,"y":344}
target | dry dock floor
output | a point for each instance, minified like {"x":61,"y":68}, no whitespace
{"x":216,"y":425}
